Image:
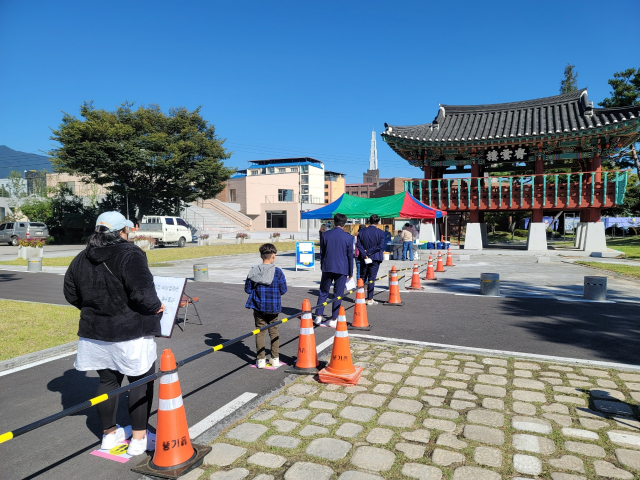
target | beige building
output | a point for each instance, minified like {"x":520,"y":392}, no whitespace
{"x":272,"y":192}
{"x":76,"y":185}
{"x":334,"y":186}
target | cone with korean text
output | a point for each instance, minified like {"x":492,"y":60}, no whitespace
{"x":430,"y":274}
{"x":415,"y":279}
{"x":341,"y":370}
{"x":439,"y":266}
{"x":174,"y":455}
{"x":394,"y":289}
{"x":307,"y":362}
{"x":449,"y":259}
{"x":360,"y":321}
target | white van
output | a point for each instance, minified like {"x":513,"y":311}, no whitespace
{"x":166,"y":230}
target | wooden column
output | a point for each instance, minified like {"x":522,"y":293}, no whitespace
{"x":428,"y":175}
{"x":537,"y":212}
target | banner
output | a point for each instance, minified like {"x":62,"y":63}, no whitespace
{"x":305,"y":255}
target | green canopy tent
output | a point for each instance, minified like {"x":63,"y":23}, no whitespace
{"x":401,"y":205}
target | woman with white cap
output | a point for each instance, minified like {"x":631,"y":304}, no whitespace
{"x":120,"y":313}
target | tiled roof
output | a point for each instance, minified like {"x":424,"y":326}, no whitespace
{"x":569,"y":112}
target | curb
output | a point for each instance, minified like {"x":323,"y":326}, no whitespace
{"x":38,"y":356}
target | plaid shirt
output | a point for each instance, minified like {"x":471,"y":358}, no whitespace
{"x":266,"y":298}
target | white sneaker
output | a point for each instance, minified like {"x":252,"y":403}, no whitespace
{"x":372,"y":302}
{"x":275,"y":362}
{"x":261,"y":363}
{"x":138,"y":447}
{"x":332,"y":323}
{"x":112,"y":439}
{"x":318,"y":320}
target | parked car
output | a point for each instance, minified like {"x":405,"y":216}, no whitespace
{"x":166,"y":230}
{"x":13,"y":232}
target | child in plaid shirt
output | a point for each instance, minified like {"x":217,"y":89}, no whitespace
{"x":265,"y":285}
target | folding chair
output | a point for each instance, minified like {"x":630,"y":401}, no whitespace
{"x":185,"y":301}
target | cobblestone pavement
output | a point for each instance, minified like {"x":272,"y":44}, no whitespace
{"x":433,"y":414}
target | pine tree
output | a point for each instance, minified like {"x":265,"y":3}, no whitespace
{"x":570,"y":81}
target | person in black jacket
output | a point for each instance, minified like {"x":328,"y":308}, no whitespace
{"x":120,"y":313}
{"x":371,"y":244}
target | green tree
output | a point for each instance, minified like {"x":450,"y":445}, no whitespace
{"x":38,"y":209}
{"x":625,"y":93}
{"x":155,"y":160}
{"x":570,"y":81}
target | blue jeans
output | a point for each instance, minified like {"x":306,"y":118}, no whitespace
{"x":357,"y":269}
{"x":407,"y":246}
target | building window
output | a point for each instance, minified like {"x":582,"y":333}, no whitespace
{"x":277,"y":219}
{"x":271,"y":170}
{"x":282,"y":170}
{"x":305,"y":168}
{"x":304,"y":189}
{"x":232,"y":195}
{"x":326,"y":185}
{"x":285,"y":195}
{"x":294,"y":169}
{"x":304,"y":178}
{"x":326,"y":201}
{"x":255,"y":172}
{"x":326,"y":194}
{"x":305,"y":198}
{"x":364,"y":193}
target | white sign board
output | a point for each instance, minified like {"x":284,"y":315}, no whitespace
{"x":169,"y":290}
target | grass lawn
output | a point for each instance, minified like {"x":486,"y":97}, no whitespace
{"x":159,"y":255}
{"x":30,"y":327}
{"x":629,"y":270}
{"x":629,"y":245}
{"x":504,"y":237}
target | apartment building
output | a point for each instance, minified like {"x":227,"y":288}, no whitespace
{"x":334,"y":186}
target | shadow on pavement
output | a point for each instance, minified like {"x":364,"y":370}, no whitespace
{"x":587,"y":325}
{"x":9,"y":277}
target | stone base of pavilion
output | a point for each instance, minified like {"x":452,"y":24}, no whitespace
{"x":590,"y":240}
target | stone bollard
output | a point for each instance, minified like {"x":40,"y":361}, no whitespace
{"x":595,"y":288}
{"x":34,"y":265}
{"x":200,"y":272}
{"x":490,"y":284}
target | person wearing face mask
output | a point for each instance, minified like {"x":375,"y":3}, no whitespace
{"x":265,"y":285}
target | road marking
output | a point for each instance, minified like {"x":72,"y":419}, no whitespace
{"x":35,"y":364}
{"x":224,"y":411}
{"x":324,"y":345}
{"x":40,"y":303}
{"x":549,"y":358}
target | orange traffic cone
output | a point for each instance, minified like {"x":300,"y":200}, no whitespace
{"x":430,"y":275}
{"x":394,"y":289}
{"x":341,"y":370}
{"x":439,"y":267}
{"x":449,"y":259}
{"x":415,"y":279}
{"x":359,"y":311}
{"x":174,"y":455}
{"x":307,"y":362}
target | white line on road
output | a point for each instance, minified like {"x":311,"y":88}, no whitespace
{"x":208,"y":422}
{"x":35,"y":364}
{"x":324,"y":345}
{"x":549,"y":358}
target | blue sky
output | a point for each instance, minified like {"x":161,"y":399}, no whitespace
{"x":281,"y":79}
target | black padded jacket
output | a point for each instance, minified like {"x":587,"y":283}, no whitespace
{"x":113,"y":288}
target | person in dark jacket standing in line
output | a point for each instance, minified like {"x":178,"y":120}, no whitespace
{"x":336,"y":262}
{"x":371,"y":243}
{"x":120,"y":313}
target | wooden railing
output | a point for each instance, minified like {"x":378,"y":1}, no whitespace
{"x":571,"y":191}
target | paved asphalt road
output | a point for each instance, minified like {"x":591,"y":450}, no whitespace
{"x":608,"y":332}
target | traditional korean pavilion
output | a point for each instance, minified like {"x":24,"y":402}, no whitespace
{"x":543,"y":156}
